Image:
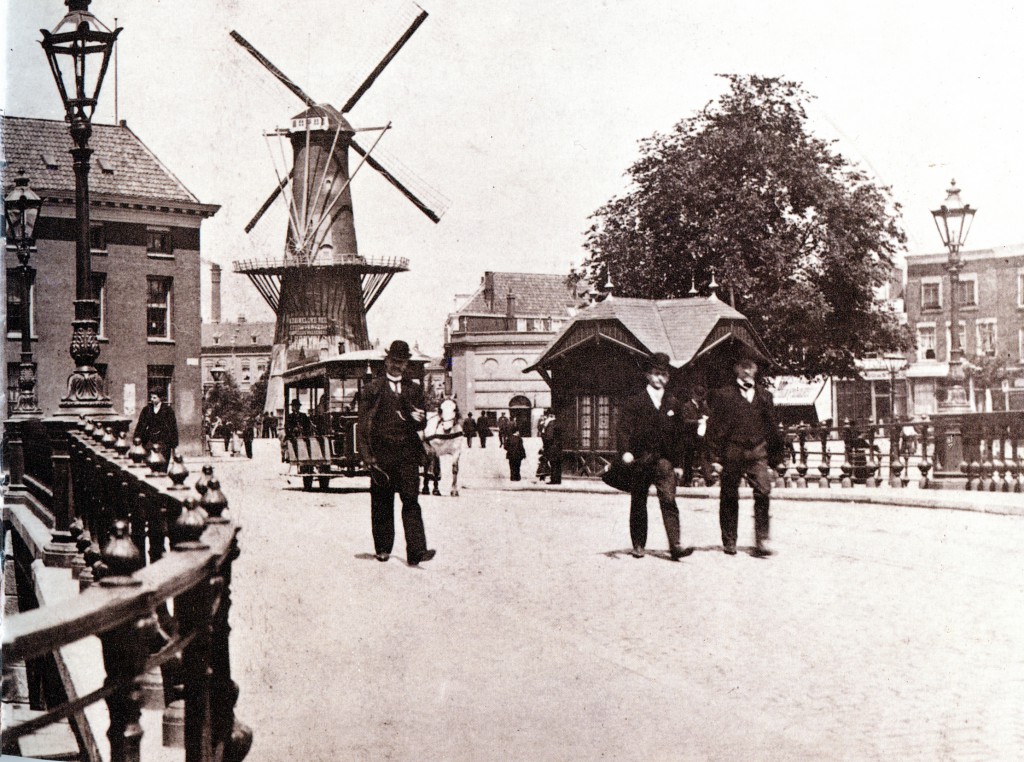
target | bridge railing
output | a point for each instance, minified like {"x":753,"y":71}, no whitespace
{"x":975,"y":451}
{"x":153,"y":560}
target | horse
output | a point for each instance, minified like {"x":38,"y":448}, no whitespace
{"x":442,"y":436}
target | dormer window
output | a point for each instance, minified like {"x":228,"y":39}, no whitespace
{"x":49,"y":160}
{"x":106,"y":167}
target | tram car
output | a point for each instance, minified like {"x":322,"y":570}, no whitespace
{"x":328,"y":392}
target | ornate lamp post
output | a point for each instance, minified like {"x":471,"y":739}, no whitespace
{"x":21,"y":210}
{"x":953,"y":220}
{"x":78,"y":50}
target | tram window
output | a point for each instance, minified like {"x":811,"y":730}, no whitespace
{"x":343,"y":395}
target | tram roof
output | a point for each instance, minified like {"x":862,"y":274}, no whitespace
{"x":356,"y":360}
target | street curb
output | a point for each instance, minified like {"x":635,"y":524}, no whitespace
{"x":935,"y":499}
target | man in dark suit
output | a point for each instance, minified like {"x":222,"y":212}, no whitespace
{"x":158,"y":426}
{"x":552,"y":442}
{"x":744,"y":441}
{"x":392,"y":413}
{"x":649,"y":443}
{"x":694,"y":428}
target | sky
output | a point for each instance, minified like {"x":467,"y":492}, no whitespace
{"x":527,"y":115}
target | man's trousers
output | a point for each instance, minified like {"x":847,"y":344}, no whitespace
{"x":663,"y":477}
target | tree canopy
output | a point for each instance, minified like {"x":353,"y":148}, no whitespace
{"x":800,"y":239}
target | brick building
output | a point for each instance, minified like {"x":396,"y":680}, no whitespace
{"x":145,"y":264}
{"x":991,"y":301}
{"x":498,"y":332}
{"x":240,"y":348}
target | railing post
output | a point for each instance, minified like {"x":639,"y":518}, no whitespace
{"x":124,"y":657}
{"x":236,"y":737}
{"x":15,"y":452}
{"x":61,"y":550}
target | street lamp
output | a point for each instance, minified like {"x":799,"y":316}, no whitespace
{"x":21,"y":210}
{"x":78,"y":50}
{"x":953,"y":220}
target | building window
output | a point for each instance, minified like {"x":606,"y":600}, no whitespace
{"x":926,"y":341}
{"x":931,"y":293}
{"x":160,"y":379}
{"x":1020,"y":344}
{"x":13,"y":371}
{"x":159,"y":242}
{"x":158,"y":308}
{"x":985,"y":336}
{"x":967,"y":291}
{"x":585,"y":417}
{"x":15,"y":309}
{"x":97,"y":238}
{"x":99,"y":293}
{"x":490,"y":366}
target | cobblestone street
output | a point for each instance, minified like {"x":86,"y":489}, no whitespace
{"x":877,"y":631}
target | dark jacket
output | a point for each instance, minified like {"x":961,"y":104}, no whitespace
{"x":649,"y":433}
{"x":159,"y":427}
{"x":552,"y":437}
{"x":735,"y":421}
{"x":469,"y":427}
{"x":514,"y":448}
{"x":370,"y":423}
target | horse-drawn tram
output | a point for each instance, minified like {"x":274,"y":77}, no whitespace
{"x":321,"y":436}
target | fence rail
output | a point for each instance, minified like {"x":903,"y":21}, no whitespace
{"x":153,"y":561}
{"x":977,"y":451}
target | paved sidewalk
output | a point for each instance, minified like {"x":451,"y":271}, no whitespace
{"x":878,"y":632}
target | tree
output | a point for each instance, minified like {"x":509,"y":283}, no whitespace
{"x":226,"y":401}
{"x":800,"y":239}
{"x":256,"y":400}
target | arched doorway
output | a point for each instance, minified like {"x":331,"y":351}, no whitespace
{"x":519,"y":408}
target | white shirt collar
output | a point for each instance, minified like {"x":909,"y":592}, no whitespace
{"x":393,"y":379}
{"x":656,"y":395}
{"x":746,"y":391}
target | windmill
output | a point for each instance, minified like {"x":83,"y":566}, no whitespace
{"x":321,"y":288}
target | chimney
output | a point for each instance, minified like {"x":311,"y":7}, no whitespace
{"x":489,"y":289}
{"x":510,"y":311}
{"x":215,"y":293}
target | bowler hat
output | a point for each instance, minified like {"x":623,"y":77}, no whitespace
{"x":399,"y":350}
{"x":659,"y":361}
{"x":742,"y":353}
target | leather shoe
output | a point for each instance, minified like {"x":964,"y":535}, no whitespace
{"x":382,"y":557}
{"x":729,"y":548}
{"x":680,"y":552}
{"x":426,"y":555}
{"x":637,"y":552}
{"x":762,"y":549}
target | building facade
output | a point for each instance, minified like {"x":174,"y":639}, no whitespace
{"x":500,"y":331}
{"x":240,"y":349}
{"x":991,"y":302}
{"x":145,"y":270}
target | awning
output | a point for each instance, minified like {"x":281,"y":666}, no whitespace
{"x":928,"y":370}
{"x":792,"y":390}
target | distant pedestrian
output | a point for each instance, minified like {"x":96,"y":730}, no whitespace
{"x":744,"y":439}
{"x":515,"y":451}
{"x":483,"y":430}
{"x":552,"y":440}
{"x":503,"y":430}
{"x":247,"y":436}
{"x":157,"y":426}
{"x":469,"y":429}
{"x":649,"y":443}
{"x":694,"y":429}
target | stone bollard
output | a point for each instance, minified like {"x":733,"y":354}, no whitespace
{"x":847,"y":471}
{"x":121,"y":558}
{"x":823,"y":469}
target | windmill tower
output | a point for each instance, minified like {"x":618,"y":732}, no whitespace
{"x":321,"y":288}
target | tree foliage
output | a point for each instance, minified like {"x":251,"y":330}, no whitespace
{"x":227,"y":402}
{"x":800,"y":239}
